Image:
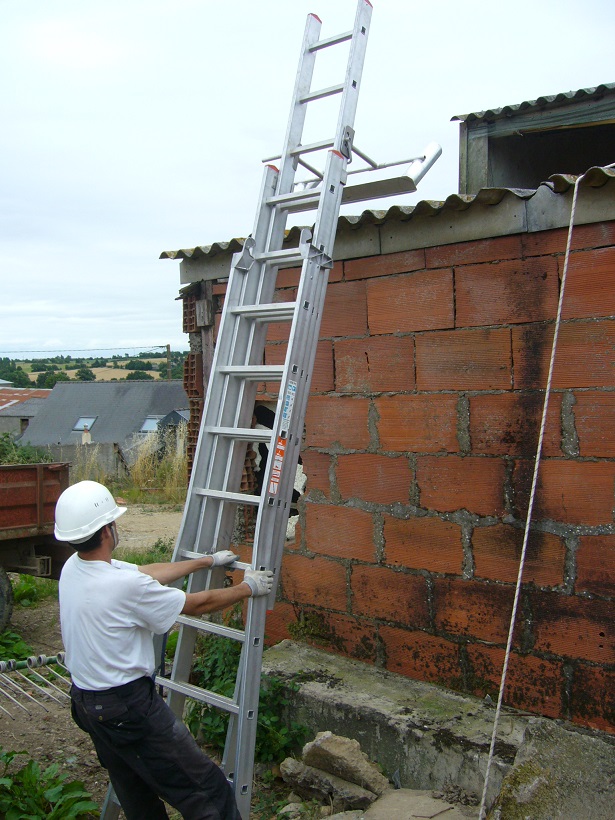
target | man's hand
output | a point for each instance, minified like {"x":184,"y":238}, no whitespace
{"x":259,"y":581}
{"x":223,"y":557}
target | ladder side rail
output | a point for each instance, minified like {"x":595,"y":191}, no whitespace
{"x":216,"y":390}
{"x":301,"y":356}
{"x":354,"y":71}
{"x":298,"y":110}
{"x":249,"y":690}
{"x":288,"y":424}
{"x":188,"y":531}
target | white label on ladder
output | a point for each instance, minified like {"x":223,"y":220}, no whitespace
{"x":287,"y":410}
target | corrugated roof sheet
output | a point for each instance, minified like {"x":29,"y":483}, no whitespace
{"x":559,"y":183}
{"x":550,"y":101}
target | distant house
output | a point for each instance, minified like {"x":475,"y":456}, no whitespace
{"x":115,"y":416}
{"x":18,"y":406}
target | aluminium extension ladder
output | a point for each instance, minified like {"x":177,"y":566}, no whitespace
{"x":237,"y":368}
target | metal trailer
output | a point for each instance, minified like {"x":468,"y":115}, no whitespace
{"x":28,"y":495}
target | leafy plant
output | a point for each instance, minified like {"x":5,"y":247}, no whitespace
{"x":28,"y":590}
{"x":12,"y":646}
{"x":13,"y":453}
{"x":32,"y":793}
{"x":215,"y":669}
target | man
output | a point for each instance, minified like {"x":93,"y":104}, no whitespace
{"x":108,"y":612}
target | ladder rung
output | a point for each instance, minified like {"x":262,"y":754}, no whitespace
{"x":255,"y":372}
{"x":202,"y":695}
{"x":241,"y":433}
{"x":222,"y":495}
{"x":274,"y":312}
{"x":323,"y":92}
{"x":213,"y":628}
{"x":305,"y":200}
{"x":311,"y":147}
{"x":234,"y":565}
{"x":331,"y":41}
{"x":287,"y":255}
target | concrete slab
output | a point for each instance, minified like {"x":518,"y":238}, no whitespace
{"x":408,"y":804}
{"x":422,"y":736}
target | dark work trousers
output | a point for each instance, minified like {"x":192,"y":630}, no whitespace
{"x":150,"y":754}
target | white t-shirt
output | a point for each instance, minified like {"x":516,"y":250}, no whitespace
{"x":109,"y":614}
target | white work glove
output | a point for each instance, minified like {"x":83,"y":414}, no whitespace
{"x":259,"y":581}
{"x":223,"y":557}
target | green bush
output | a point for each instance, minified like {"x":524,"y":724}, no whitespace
{"x":13,"y":453}
{"x":32,"y":793}
{"x":28,"y":590}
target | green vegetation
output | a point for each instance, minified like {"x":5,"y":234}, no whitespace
{"x":30,"y":793}
{"x":13,"y":647}
{"x":12,"y":372}
{"x":13,"y":453}
{"x":215,"y":668}
{"x":29,"y":590}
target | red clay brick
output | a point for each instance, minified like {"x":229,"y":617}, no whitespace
{"x":594,"y":417}
{"x":374,"y":365}
{"x":317,"y":581}
{"x":316,"y":468}
{"x":584,"y":356}
{"x":381,"y":593}
{"x":509,"y":423}
{"x":341,"y":532}
{"x":596,"y":235}
{"x":345,"y":311}
{"x":590,"y":284}
{"x":451,"y":483}
{"x":476,"y":359}
{"x":289,"y":277}
{"x":497,"y":552}
{"x":532,"y":684}
{"x":512,"y":291}
{"x":353,"y":637}
{"x":423,"y":424}
{"x":596,"y":565}
{"x":280,"y":331}
{"x":380,"y":479}
{"x":322,"y":373}
{"x":480,"y":250}
{"x":421,"y":656}
{"x":341,"y":419}
{"x":417,"y":301}
{"x":278,"y":620}
{"x":574,"y":627}
{"x":593,"y":698}
{"x":384,"y":265}
{"x":423,"y":543}
{"x":473,"y":609}
{"x":576,"y":492}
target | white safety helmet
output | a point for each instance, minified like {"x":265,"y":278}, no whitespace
{"x":83,"y":509}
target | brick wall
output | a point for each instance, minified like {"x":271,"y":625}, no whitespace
{"x":419,"y":444}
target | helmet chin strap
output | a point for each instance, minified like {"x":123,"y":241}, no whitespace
{"x":116,"y":539}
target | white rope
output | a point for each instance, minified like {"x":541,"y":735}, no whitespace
{"x":482,"y":811}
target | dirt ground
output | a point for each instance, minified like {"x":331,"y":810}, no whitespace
{"x":48,"y":734}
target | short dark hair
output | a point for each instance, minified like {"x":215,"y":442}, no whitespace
{"x":92,"y":543}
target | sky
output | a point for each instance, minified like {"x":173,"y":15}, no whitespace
{"x":130,"y":127}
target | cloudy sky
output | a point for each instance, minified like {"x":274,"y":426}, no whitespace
{"x":129,"y":127}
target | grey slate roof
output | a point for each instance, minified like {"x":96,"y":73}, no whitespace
{"x":23,"y":409}
{"x":541,"y":104}
{"x":120,"y":408}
